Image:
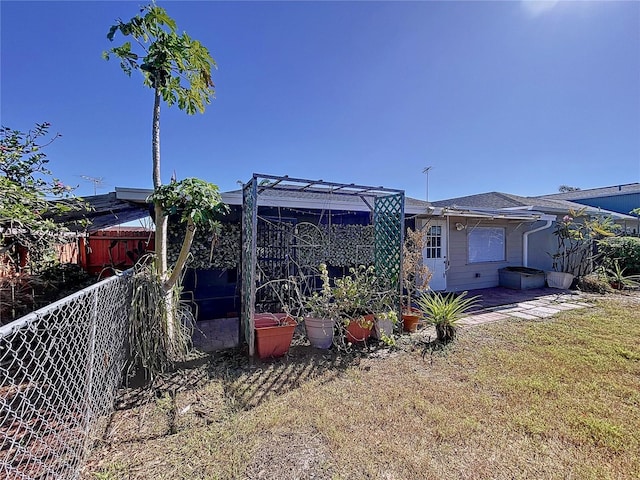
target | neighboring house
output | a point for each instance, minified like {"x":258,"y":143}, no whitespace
{"x":106,"y":251}
{"x":617,"y":198}
{"x":489,"y":231}
{"x":104,"y":245}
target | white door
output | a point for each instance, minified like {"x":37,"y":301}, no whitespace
{"x":434,"y":253}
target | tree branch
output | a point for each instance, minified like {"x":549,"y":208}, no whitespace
{"x":182,"y":258}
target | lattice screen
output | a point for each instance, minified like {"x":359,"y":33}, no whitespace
{"x":388,"y":218}
{"x":388,"y":224}
{"x":249,"y":254}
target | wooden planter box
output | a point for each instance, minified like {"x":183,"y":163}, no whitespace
{"x":521,"y":278}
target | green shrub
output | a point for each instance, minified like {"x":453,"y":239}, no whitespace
{"x":624,"y":250}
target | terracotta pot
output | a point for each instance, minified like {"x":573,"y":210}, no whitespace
{"x":410,"y":320}
{"x":274,"y":332}
{"x":358,"y":330}
{"x":319,"y":331}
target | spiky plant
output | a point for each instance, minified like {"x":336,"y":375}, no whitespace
{"x":619,"y":279}
{"x":444,"y":312}
{"x":151,"y":349}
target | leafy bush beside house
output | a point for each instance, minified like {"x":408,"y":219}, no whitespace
{"x":29,"y":233}
{"x":623,"y":250}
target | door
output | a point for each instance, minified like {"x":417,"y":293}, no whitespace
{"x":434,"y":253}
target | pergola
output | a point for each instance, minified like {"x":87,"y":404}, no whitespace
{"x":386,"y":205}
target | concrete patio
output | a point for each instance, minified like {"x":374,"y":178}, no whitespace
{"x":501,"y":303}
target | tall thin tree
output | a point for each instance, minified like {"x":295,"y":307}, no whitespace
{"x":178,"y":69}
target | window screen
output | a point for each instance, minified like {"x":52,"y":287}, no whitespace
{"x":486,"y":244}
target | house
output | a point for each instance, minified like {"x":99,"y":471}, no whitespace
{"x":489,"y":231}
{"x":299,"y":225}
{"x":617,"y":198}
{"x":469,"y":238}
{"x":296,"y":225}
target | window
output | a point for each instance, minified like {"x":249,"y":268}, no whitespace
{"x":486,"y":244}
{"x":433,"y":242}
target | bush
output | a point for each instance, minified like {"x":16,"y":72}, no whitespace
{"x":594,"y":283}
{"x":624,"y":250}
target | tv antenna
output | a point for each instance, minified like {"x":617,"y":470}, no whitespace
{"x":97,"y":182}
{"x":426,"y":171}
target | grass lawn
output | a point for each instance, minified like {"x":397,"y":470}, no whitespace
{"x":558,"y":398}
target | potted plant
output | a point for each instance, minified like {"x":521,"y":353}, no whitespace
{"x":574,"y":256}
{"x":619,"y":280}
{"x":415,"y":276}
{"x":384,"y":323}
{"x":444,"y":311}
{"x":353,"y":295}
{"x":274,"y":332}
{"x":385,"y":306}
{"x":320,"y":312}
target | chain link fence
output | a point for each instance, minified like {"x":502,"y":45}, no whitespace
{"x":60,"y":368}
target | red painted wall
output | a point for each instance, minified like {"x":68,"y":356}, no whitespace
{"x":107,"y":249}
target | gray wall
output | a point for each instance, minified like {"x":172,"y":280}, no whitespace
{"x":463,"y":275}
{"x":541,"y":244}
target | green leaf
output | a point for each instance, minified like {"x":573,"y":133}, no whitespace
{"x":112,"y":32}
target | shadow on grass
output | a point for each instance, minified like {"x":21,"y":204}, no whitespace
{"x":431,"y":347}
{"x":247,"y":382}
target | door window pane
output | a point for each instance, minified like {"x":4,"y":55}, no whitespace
{"x":433,"y":242}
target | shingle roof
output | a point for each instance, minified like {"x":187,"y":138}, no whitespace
{"x":104,"y":211}
{"x":499,"y":200}
{"x":505,"y":200}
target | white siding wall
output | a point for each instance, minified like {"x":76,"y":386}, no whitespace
{"x":463,"y":275}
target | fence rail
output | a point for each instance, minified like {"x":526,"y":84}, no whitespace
{"x":60,"y":368}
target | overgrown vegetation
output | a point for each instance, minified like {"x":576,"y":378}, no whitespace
{"x":31,"y":232}
{"x":161,"y":326}
{"x":625,"y":251}
{"x":152,"y":349}
{"x":553,"y":399}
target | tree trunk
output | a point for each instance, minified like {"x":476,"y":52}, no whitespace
{"x":161,"y":225}
{"x":160,"y":219}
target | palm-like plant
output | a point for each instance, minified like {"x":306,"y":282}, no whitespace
{"x":619,"y":279}
{"x":444,"y":311}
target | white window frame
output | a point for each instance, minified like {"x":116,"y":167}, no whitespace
{"x":492,"y":246}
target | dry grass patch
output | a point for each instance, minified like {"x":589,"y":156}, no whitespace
{"x":553,"y":399}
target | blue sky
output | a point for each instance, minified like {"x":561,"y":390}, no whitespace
{"x":513,"y":96}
